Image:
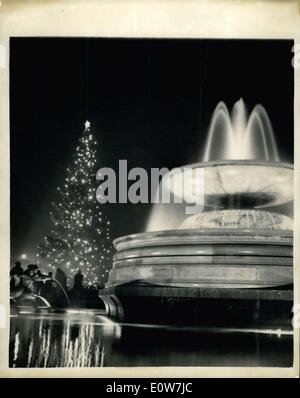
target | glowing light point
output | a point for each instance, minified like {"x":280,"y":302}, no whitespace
{"x":87,"y":125}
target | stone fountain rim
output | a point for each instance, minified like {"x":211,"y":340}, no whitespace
{"x":239,"y":162}
{"x":243,"y":232}
{"x":215,"y":232}
{"x":277,"y":196}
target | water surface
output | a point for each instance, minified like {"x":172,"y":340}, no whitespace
{"x":85,"y":338}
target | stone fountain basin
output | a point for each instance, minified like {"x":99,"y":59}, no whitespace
{"x":236,"y":183}
{"x":230,"y":258}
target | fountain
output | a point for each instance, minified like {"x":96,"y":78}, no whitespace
{"x":242,"y":240}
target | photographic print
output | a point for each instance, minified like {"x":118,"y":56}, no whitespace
{"x":151,"y":202}
{"x":149,"y":191}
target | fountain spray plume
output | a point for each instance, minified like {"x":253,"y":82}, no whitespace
{"x":237,"y":136}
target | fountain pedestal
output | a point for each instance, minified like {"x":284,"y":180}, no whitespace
{"x":139,"y":302}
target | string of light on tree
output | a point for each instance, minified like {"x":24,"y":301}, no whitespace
{"x":80,"y":238}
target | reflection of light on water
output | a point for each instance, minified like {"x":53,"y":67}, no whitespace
{"x":30,"y":353}
{"x":210,"y":329}
{"x":45,"y":346}
{"x":40,"y":328}
{"x":277,"y":332}
{"x":80,"y":350}
{"x":16,"y":348}
{"x":78,"y":339}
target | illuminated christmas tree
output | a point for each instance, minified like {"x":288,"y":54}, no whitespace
{"x":80,"y":238}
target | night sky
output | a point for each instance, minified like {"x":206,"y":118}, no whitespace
{"x":149,"y":101}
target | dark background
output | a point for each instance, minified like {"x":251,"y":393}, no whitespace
{"x":149,"y":101}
